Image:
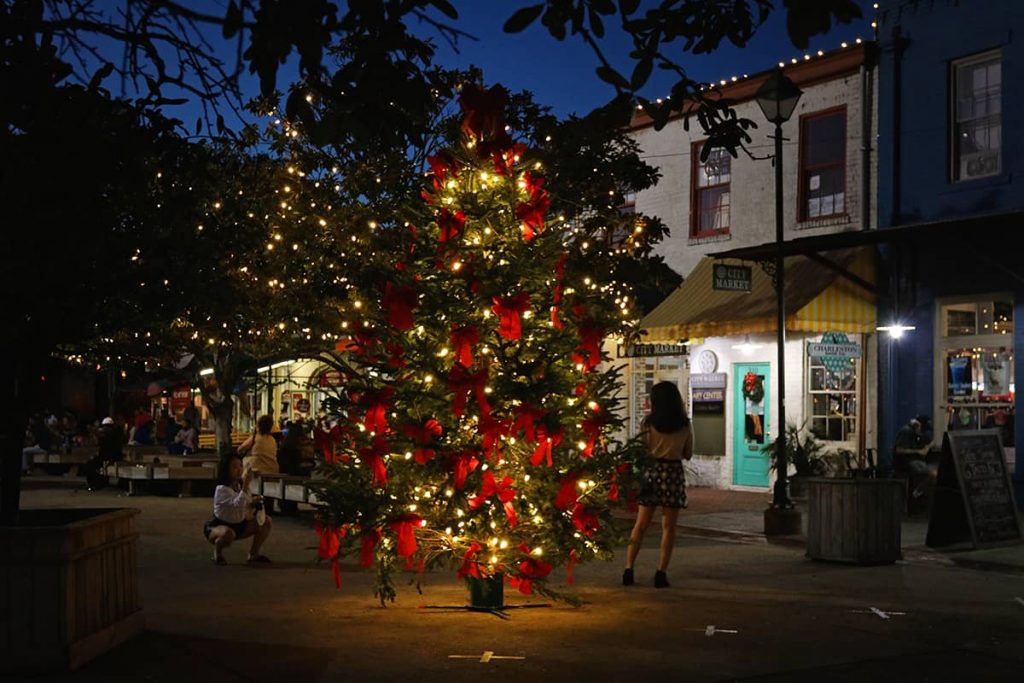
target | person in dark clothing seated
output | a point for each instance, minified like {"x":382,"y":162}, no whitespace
{"x":913,"y":442}
{"x":110,"y":440}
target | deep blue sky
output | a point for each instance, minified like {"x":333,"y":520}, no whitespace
{"x":561,"y":74}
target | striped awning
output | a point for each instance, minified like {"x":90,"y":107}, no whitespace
{"x":818,"y":299}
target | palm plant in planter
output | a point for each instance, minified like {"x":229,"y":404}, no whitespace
{"x":804,"y":453}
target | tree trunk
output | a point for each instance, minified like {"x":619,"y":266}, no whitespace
{"x":223,"y":412}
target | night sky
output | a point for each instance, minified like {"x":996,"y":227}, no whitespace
{"x":561,"y":74}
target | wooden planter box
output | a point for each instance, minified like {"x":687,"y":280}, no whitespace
{"x":68,"y":588}
{"x":854,"y":520}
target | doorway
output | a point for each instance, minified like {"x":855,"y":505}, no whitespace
{"x":750,"y":424}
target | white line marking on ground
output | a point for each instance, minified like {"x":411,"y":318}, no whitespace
{"x":486,"y":657}
{"x":712,"y":630}
{"x":1020,"y":600}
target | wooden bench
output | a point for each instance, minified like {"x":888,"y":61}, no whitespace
{"x":208,"y":440}
{"x":183,"y":469}
{"x":286,"y":488}
{"x":78,"y":455}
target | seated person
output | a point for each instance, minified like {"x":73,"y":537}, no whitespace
{"x":143,"y":435}
{"x":186,"y":440}
{"x":913,"y":442}
{"x":236,"y":512}
{"x":259,"y":451}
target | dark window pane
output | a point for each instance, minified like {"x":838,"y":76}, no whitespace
{"x":826,"y":139}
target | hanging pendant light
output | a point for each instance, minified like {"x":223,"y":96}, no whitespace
{"x":747,"y":346}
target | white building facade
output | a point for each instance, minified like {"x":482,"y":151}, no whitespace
{"x":719,"y":346}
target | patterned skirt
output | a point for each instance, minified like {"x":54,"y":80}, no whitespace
{"x":664,"y":484}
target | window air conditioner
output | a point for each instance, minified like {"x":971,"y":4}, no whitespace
{"x":979,"y":164}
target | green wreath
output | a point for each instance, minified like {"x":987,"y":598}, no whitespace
{"x":753,"y":387}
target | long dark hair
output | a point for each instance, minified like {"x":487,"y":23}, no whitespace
{"x":224,"y":468}
{"x":264,"y":424}
{"x":668,"y":414}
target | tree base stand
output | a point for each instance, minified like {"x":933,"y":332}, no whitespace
{"x":487,"y":595}
{"x":782,"y":522}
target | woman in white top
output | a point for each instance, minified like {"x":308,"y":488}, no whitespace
{"x":234,"y":512}
{"x":669,"y":438}
{"x":259,"y":451}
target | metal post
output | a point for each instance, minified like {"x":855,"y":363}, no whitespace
{"x":780,"y":499}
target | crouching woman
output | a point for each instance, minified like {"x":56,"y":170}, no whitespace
{"x":237,"y":514}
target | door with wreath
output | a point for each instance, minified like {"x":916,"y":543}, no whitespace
{"x":750,"y":424}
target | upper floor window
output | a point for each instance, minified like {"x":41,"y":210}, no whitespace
{"x":977,"y":116}
{"x":709,"y":190}
{"x":823,"y":164}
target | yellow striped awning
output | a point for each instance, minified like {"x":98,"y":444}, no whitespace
{"x":818,"y":299}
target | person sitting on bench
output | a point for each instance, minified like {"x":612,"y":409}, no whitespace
{"x":237,"y":514}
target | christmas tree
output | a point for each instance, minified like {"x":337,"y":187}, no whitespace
{"x":475,"y":417}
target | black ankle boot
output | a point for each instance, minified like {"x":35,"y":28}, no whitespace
{"x":660,"y":580}
{"x":627,"y":577}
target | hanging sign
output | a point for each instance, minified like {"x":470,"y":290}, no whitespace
{"x":649,"y":350}
{"x":330,"y":378}
{"x":708,"y":380}
{"x":181,"y":398}
{"x":835,"y":351}
{"x":731,"y":278}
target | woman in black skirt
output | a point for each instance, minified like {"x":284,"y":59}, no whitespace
{"x":669,"y":439}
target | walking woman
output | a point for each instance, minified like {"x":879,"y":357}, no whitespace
{"x":669,"y":439}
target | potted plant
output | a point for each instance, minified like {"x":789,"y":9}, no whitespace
{"x":805,"y":454}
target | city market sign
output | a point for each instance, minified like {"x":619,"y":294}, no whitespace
{"x":835,"y":351}
{"x":649,"y":350}
{"x":731,"y":278}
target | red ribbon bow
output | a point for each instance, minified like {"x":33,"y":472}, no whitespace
{"x":509,"y":310}
{"x":526,"y":416}
{"x":568,"y":492}
{"x":463,"y":383}
{"x":450,"y":225}
{"x":376,"y":402}
{"x":585,"y":520}
{"x":592,"y":427}
{"x":326,"y":441}
{"x":463,"y":340}
{"x":399,"y":302}
{"x":504,"y":491}
{"x":423,"y":436}
{"x":462,"y":464}
{"x":484,"y":120}
{"x":469,"y":566}
{"x":545,"y":444}
{"x":369,"y":539}
{"x":530,"y":569}
{"x":441,"y":165}
{"x":405,"y":527}
{"x":373,"y":457}
{"x":492,"y":430}
{"x":588,"y":351}
{"x":330,"y":547}
{"x":532,"y":211}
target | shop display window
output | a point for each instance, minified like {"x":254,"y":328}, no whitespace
{"x":976,"y":362}
{"x":832,"y":393}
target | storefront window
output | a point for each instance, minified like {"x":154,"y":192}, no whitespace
{"x":649,"y":371}
{"x":977,"y":366}
{"x":832,"y":391}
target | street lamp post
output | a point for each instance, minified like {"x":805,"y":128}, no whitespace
{"x":777,"y":98}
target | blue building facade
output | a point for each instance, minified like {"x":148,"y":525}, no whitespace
{"x":951,"y":181}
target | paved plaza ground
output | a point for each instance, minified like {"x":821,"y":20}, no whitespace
{"x":739,"y":608}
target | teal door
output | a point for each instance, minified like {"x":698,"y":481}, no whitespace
{"x":750,"y":424}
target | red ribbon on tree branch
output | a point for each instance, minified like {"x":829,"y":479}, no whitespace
{"x":573,"y":561}
{"x":450,"y":225}
{"x":530,"y":569}
{"x":585,"y":520}
{"x":462,"y":464}
{"x":509,"y":310}
{"x":330,"y":547}
{"x":469,"y":566}
{"x":369,"y":539}
{"x":399,"y":302}
{"x":463,"y":383}
{"x":376,"y":402}
{"x":463,"y":339}
{"x":568,"y":492}
{"x":423,"y":438}
{"x":503,"y":490}
{"x":373,"y":457}
{"x":484,"y":118}
{"x":492,"y":430}
{"x":588,"y":351}
{"x":559,"y":277}
{"x":532,"y":211}
{"x":526,"y":417}
{"x":405,"y":528}
{"x":546,"y":442}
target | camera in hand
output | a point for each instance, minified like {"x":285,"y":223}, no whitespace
{"x":261,"y":515}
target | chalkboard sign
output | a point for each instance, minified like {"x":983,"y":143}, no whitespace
{"x":974,"y":498}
